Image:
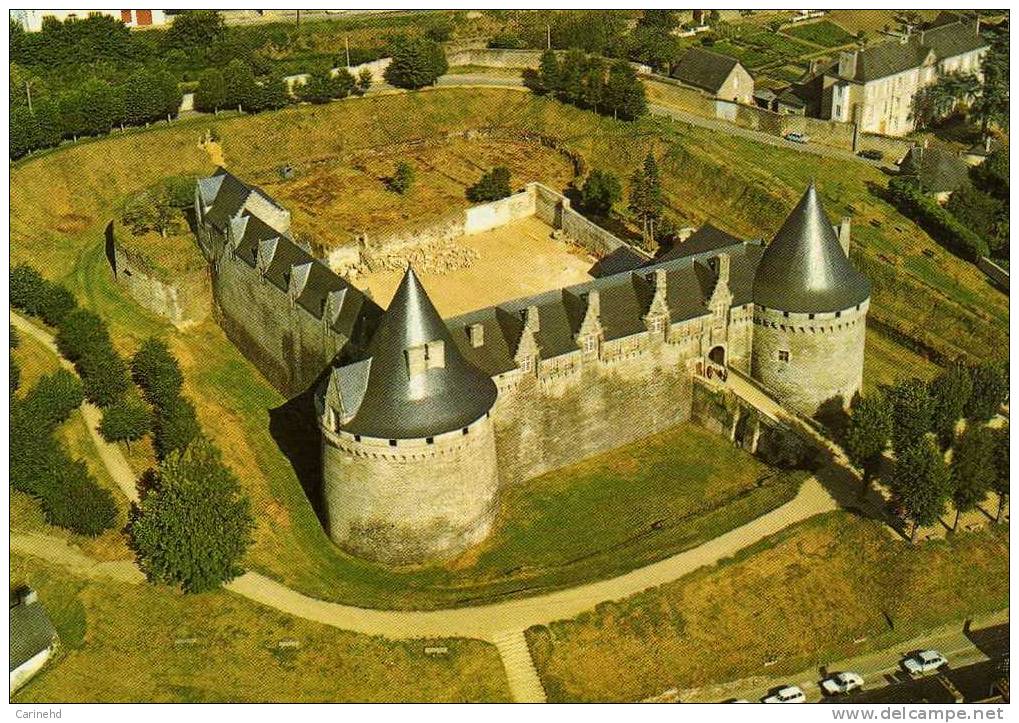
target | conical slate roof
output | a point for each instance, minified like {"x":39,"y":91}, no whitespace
{"x":804,"y":270}
{"x":438,"y":399}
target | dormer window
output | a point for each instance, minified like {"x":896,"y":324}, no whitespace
{"x":423,"y":357}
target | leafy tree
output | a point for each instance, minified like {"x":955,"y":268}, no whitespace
{"x":24,"y":132}
{"x":992,"y":107}
{"x":990,"y":390}
{"x":646,"y":198}
{"x":1001,"y":471}
{"x":53,"y":398}
{"x":126,"y":420}
{"x":322,"y":86}
{"x":416,"y":63}
{"x":549,"y":76}
{"x":239,"y":85}
{"x":992,"y":177}
{"x":950,"y":392}
{"x":912,"y":412}
{"x":625,"y":95}
{"x":981,"y":213}
{"x":571,"y":75}
{"x":27,"y":289}
{"x":271,"y":93}
{"x":921,"y":483}
{"x":193,"y":528}
{"x":599,"y":192}
{"x":33,"y":456}
{"x":76,"y":501}
{"x":195,"y":29}
{"x":176,"y":426}
{"x":104,"y":376}
{"x":13,"y":339}
{"x":654,"y":46}
{"x":56,"y":303}
{"x":439,"y":30}
{"x":152,"y":210}
{"x":212,"y":92}
{"x":592,"y":84}
{"x":403,"y":178}
{"x":973,"y":471}
{"x":492,"y":186}
{"x":15,"y":375}
{"x":867,"y":434}
{"x":80,"y":332}
{"x":157,"y":372}
{"x":661,"y":20}
{"x":364,"y":81}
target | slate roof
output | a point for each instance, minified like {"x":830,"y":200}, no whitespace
{"x":228,"y":195}
{"x":937,"y":169}
{"x":706,"y":238}
{"x":704,"y":69}
{"x":804,"y":269}
{"x":953,"y":39}
{"x":885,"y":59}
{"x":440,"y":399}
{"x":31,"y":632}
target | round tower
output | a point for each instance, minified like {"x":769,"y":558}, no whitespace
{"x":810,"y":309}
{"x":408,"y":461}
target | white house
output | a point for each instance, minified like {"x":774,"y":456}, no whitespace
{"x":33,"y":636}
{"x":31,"y":20}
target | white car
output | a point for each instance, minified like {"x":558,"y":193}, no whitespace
{"x":841,"y":683}
{"x":797,"y":137}
{"x":926,"y":661}
{"x":788,"y":694}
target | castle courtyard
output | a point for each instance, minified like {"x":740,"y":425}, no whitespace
{"x":518,"y":259}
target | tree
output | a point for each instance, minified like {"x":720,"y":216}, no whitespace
{"x":152,"y":210}
{"x":992,"y":106}
{"x":157,"y":372}
{"x":599,"y":192}
{"x":212,"y":93}
{"x":912,"y":412}
{"x":195,"y":29}
{"x":403,"y":178}
{"x":921,"y":484}
{"x":416,"y":63}
{"x":74,"y":500}
{"x":625,"y":95}
{"x":193,"y":528}
{"x":239,"y":85}
{"x":950,"y":392}
{"x":592,"y":84}
{"x":52,"y":399}
{"x":646,"y":199}
{"x":571,"y":74}
{"x":56,"y":303}
{"x":27,"y":289}
{"x":176,"y":426}
{"x":15,"y":375}
{"x":973,"y":470}
{"x":322,"y":86}
{"x":654,"y":46}
{"x":364,"y":81}
{"x":24,"y":132}
{"x":126,"y":420}
{"x":990,"y":390}
{"x":104,"y":375}
{"x":548,"y":73}
{"x":492,"y":186}
{"x":867,"y":434}
{"x":79,"y":333}
{"x":1001,"y":471}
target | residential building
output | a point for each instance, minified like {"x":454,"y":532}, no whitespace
{"x":33,"y":636}
{"x":32,"y":20}
{"x":718,"y":74}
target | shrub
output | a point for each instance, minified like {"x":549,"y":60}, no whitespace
{"x":935,"y":220}
{"x":416,"y":63}
{"x":176,"y":426}
{"x":156,"y":371}
{"x":600,"y":191}
{"x":193,"y":528}
{"x":76,"y":502}
{"x":403,"y":178}
{"x":492,"y":186}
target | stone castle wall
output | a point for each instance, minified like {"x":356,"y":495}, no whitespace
{"x":188,"y":298}
{"x":825,"y":355}
{"x":412,"y":502}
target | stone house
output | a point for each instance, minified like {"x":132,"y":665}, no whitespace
{"x":33,"y":636}
{"x":874,"y":87}
{"x":722,"y":76}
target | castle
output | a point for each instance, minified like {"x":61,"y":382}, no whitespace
{"x":424,"y":419}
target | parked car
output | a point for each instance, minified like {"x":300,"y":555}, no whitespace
{"x":797,"y":137}
{"x":841,"y":683}
{"x":788,"y":694}
{"x":871,"y":154}
{"x":923,"y":662}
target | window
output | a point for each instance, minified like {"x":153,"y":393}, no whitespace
{"x":783,"y":355}
{"x":785,"y":314}
{"x":838,"y":314}
{"x":811,"y":317}
{"x":466,"y":431}
{"x":590,"y":344}
{"x":525,"y":364}
{"x":429,"y":440}
{"x":357,"y":437}
{"x":392,"y":443}
{"x":657,"y":323}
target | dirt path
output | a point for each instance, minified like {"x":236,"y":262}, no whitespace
{"x":110,"y":454}
{"x":57,"y":551}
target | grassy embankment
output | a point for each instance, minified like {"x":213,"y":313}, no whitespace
{"x":62,"y":200}
{"x":129,"y":643}
{"x":826,"y":589}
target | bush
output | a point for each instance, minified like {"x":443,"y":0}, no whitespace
{"x":416,"y":63}
{"x":76,"y":502}
{"x":492,"y":186}
{"x":156,"y":371}
{"x":600,"y":191}
{"x":403,"y":178}
{"x":176,"y":427}
{"x":935,"y":220}
{"x":193,"y":528}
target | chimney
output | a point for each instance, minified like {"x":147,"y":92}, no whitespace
{"x":476,"y":333}
{"x":531,"y":319}
{"x":594,"y":303}
{"x":722,"y":267}
{"x":847,"y":63}
{"x":844,"y":235}
{"x":987,"y":143}
{"x":660,"y":281}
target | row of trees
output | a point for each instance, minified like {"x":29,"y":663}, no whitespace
{"x":93,"y":108}
{"x":920,"y":421}
{"x":589,"y":82}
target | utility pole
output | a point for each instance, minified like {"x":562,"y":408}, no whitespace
{"x":346,"y":46}
{"x":548,"y":35}
{"x":28,"y":92}
{"x":298,"y":19}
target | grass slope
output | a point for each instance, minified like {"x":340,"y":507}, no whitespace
{"x":800,"y":598}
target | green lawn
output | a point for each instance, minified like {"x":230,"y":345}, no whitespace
{"x":886,"y":362}
{"x":825,"y":33}
{"x":801,"y":598}
{"x":138,"y":643}
{"x":62,"y":200}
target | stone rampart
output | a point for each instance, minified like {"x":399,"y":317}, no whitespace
{"x":187,"y":298}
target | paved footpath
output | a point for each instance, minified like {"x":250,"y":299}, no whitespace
{"x":501,"y":623}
